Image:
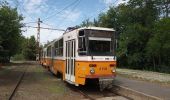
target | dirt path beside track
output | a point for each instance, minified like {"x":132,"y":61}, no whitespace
{"x":9,"y":76}
{"x":39,"y":84}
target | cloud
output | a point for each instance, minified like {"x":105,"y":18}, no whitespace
{"x":108,"y":2}
{"x":34,"y":6}
{"x":39,"y":8}
{"x":70,"y":15}
{"x":113,"y":2}
{"x":122,"y":1}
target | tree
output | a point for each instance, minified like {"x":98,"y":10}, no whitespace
{"x":132,"y":43}
{"x":158,"y":46}
{"x":10,"y":29}
{"x":164,"y":8}
{"x":137,"y":19}
{"x":86,"y":23}
{"x":142,"y":28}
{"x":29,"y":50}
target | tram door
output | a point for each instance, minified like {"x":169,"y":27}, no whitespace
{"x":52,"y":59}
{"x":52,"y":55}
{"x":70,"y":60}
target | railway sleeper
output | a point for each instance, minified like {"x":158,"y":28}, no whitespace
{"x":105,"y":83}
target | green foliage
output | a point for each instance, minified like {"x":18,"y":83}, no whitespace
{"x":29,"y":48}
{"x":86,"y":23}
{"x":143,"y":33}
{"x":4,"y":57}
{"x":10,"y":30}
{"x":158,"y":46}
{"x":18,"y":57}
{"x":132,"y":43}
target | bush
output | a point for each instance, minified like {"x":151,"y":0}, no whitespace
{"x":18,"y":57}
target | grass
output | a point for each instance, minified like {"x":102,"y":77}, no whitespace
{"x":18,"y":57}
{"x":57,"y":88}
{"x":52,"y":85}
{"x":145,"y":75}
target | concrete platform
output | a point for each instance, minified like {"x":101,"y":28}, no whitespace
{"x":141,"y":90}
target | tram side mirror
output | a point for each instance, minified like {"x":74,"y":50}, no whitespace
{"x":80,"y":43}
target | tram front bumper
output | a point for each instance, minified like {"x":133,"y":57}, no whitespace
{"x":101,"y":76}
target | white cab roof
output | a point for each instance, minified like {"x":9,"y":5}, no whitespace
{"x":97,"y":28}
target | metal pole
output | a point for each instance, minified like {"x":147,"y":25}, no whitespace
{"x":38,"y":40}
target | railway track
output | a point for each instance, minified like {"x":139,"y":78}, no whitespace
{"x":73,"y":88}
{"x":95,"y":93}
{"x":17,"y":85}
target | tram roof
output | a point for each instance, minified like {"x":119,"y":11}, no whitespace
{"x":97,"y":28}
{"x":83,"y":28}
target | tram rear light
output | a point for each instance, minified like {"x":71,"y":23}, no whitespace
{"x":112,"y":65}
{"x":92,"y":65}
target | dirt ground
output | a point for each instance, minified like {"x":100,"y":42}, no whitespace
{"x":9,"y":76}
{"x":37,"y":84}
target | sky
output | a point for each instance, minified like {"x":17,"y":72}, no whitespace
{"x":58,"y":14}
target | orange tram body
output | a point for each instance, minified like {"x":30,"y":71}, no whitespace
{"x":81,"y":54}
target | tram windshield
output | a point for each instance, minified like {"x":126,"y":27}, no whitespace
{"x":100,"y":48}
{"x":96,"y":43}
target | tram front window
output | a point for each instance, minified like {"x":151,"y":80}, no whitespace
{"x":100,"y":48}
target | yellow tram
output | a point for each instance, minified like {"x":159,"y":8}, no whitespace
{"x":81,"y":54}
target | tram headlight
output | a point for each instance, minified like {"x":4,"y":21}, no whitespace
{"x":92,"y":71}
{"x":113,"y":69}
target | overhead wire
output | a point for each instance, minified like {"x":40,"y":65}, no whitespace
{"x":23,"y":9}
{"x":76,"y":4}
{"x":49,"y":8}
{"x":59,"y":11}
{"x":100,"y":11}
{"x":46,"y":28}
{"x":30,"y":22}
{"x":69,"y":13}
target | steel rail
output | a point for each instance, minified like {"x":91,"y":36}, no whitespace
{"x":16,"y":87}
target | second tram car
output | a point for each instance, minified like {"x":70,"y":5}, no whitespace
{"x":81,"y":54}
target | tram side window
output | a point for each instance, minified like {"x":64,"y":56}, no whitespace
{"x":56,"y":48}
{"x":44,"y":54}
{"x":61,"y":47}
{"x":49,"y":51}
{"x":82,"y":43}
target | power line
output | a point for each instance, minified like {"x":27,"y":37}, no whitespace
{"x":51,"y":7}
{"x":21,"y":5}
{"x":60,"y":10}
{"x":30,"y":22}
{"x":46,"y":28}
{"x":69,"y":13}
{"x":104,"y":8}
{"x":47,"y":24}
{"x":76,"y":4}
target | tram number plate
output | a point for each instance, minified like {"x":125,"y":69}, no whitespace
{"x":103,"y":68}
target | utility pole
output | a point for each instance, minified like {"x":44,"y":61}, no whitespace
{"x":38,"y":40}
